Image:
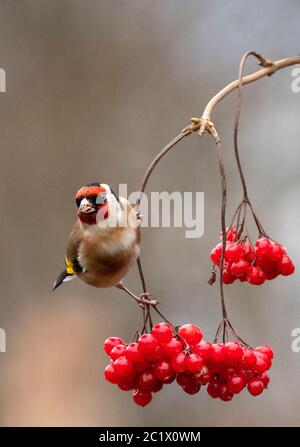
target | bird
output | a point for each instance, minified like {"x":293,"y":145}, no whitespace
{"x":104,"y":242}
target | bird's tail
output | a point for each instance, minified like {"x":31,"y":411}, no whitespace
{"x":63,"y":277}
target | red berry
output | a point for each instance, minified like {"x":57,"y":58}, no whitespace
{"x":239,"y":268}
{"x":204,"y":377}
{"x":163,"y":332}
{"x":249,"y":252}
{"x":117,"y":351}
{"x":227,"y":265}
{"x":246,"y":374}
{"x":147,"y":381}
{"x":255,"y":276}
{"x":265,"y":379}
{"x":265,"y":349}
{"x":234,"y":252}
{"x":133,"y":353}
{"x":110,"y":374}
{"x":184,"y":379}
{"x":170,"y":379}
{"x":142,"y":366}
{"x":255,"y":387}
{"x":127,"y":385}
{"x":217,"y":353}
{"x":266,"y":358}
{"x":272,"y":275}
{"x":249,"y":358}
{"x":233,"y":353}
{"x":285,"y":266}
{"x":236,"y":384}
{"x":157,"y":387}
{"x":147,"y":343}
{"x":230,"y":234}
{"x":191,"y":333}
{"x":142,"y":398}
{"x":225,"y":372}
{"x":155,"y":355}
{"x":123,"y":367}
{"x":242,"y":278}
{"x":178,"y":362}
{"x":261,"y":364}
{"x":263,"y":247}
{"x":192,"y":388}
{"x":216,"y":253}
{"x":277,"y":251}
{"x":203,"y":349}
{"x":228,"y":278}
{"x":111,"y":342}
{"x":224,"y":393}
{"x":213,"y":389}
{"x":265,"y":264}
{"x":162,"y":370}
{"x":193,"y":362}
{"x":172,"y":348}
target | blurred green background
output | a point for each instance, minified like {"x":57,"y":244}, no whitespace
{"x":94,"y":90}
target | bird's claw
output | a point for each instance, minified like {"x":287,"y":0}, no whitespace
{"x":143,"y":299}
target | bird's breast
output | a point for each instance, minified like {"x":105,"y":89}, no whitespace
{"x":107,"y":257}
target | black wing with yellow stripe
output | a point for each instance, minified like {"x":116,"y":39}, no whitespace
{"x":73,"y":266}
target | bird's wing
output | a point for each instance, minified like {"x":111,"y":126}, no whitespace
{"x":73,"y":266}
{"x":63,"y":277}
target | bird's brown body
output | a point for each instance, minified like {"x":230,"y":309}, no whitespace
{"x":104,"y":255}
{"x":104,"y":242}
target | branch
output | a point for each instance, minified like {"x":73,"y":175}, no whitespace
{"x":204,"y":124}
{"x":184,"y":133}
{"x":268,"y":69}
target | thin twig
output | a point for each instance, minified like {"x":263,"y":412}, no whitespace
{"x":264,"y":62}
{"x":204,"y":124}
{"x":237,"y":118}
{"x":267,"y":70}
{"x":147,"y":308}
{"x":223,"y":221}
{"x":184,"y":133}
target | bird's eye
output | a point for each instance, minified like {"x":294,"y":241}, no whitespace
{"x":78,"y":202}
{"x":101,"y":199}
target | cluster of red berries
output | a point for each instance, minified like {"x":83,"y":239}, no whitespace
{"x":265,"y":261}
{"x":232,"y":367}
{"x":159,"y":358}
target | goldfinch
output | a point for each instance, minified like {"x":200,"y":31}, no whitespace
{"x":104,"y":242}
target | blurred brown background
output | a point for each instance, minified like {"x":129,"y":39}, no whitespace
{"x":94,"y":90}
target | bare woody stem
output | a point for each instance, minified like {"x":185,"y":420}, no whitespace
{"x":246,"y":199}
{"x":204,"y":123}
{"x":237,"y":121}
{"x":268,"y":69}
{"x":146,"y":311}
{"x":184,"y":133}
{"x":223,"y":222}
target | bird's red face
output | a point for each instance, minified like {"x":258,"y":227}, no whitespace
{"x":92,"y":203}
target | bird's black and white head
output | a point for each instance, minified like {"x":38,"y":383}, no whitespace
{"x":98,"y":206}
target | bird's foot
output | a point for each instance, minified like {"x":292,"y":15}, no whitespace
{"x":144,"y":299}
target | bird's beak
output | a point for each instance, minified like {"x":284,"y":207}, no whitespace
{"x":86,"y":207}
